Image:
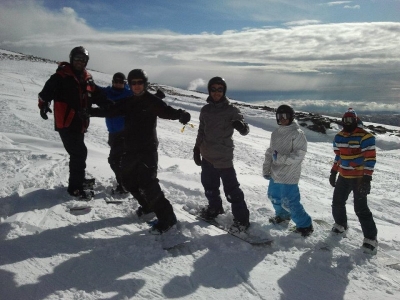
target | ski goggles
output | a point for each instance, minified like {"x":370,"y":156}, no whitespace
{"x":136,"y":82}
{"x":348,"y":120}
{"x":217,"y":90}
{"x":81,"y":58}
{"x":119,"y":81}
{"x":282,"y":116}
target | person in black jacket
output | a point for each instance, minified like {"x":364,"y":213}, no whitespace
{"x":139,"y":163}
{"x":73,"y":90}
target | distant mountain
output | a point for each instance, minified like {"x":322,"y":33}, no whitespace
{"x":380,"y":118}
{"x":317,"y":122}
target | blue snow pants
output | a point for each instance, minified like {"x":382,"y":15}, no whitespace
{"x":285,"y":199}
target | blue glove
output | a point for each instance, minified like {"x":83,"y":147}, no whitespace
{"x":268,"y":177}
{"x":275,"y":155}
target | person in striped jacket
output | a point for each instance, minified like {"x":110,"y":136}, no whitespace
{"x":355,"y":158}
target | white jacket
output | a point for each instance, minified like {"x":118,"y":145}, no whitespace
{"x":291,"y":145}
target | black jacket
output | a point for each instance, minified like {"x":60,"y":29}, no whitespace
{"x":141,"y":114}
{"x":71,"y":94}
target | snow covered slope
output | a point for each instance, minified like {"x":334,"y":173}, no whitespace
{"x":107,"y":253}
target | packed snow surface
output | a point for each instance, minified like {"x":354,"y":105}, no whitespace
{"x":107,"y":252}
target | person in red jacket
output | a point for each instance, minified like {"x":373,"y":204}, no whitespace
{"x":73,"y":90}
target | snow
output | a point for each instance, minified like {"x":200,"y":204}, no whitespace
{"x":107,"y":253}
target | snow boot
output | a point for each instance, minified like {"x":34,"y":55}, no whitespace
{"x":209,"y":213}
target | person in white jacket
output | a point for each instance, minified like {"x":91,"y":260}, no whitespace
{"x":282,"y":167}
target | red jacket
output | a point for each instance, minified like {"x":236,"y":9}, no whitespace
{"x":72,"y":93}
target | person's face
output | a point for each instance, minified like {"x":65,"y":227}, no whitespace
{"x":79,"y":62}
{"x":118,"y":83}
{"x":284,"y":122}
{"x":217,"y":92}
{"x":137,"y":86}
{"x":284,"y":119}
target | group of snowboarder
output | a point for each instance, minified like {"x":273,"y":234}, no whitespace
{"x":131,"y":113}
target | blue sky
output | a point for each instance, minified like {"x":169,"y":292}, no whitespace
{"x":312,"y":54}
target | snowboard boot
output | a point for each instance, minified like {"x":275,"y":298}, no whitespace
{"x":145,"y":214}
{"x":88,"y":183}
{"x":370,"y":246}
{"x":160,"y":227}
{"x":120,"y":189}
{"x":279,"y":220}
{"x":81,"y":194}
{"x":306,"y":231}
{"x":209,"y":213}
{"x":339,"y":229}
{"x":238,"y":227}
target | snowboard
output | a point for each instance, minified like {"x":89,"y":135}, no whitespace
{"x":243,"y":236}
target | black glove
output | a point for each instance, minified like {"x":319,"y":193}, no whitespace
{"x":365,"y":186}
{"x":84,"y":114}
{"x":238,"y":125}
{"x":196,"y":155}
{"x":44,"y":109}
{"x":160,"y":94}
{"x":332,"y":178}
{"x":184,"y":117}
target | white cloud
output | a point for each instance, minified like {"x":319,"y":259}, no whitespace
{"x":335,"y":3}
{"x":194,"y":84}
{"x":352,"y":7}
{"x":302,"y":22}
{"x":305,"y":56}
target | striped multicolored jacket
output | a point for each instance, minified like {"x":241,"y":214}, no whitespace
{"x":355,"y":153}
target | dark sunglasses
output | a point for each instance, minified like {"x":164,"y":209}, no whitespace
{"x":80,"y":58}
{"x":282,"y":116}
{"x":217,"y":90}
{"x":136,"y":82}
{"x":119,"y":81}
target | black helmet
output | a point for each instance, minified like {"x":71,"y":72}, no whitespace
{"x":119,"y":75}
{"x":217,"y":80}
{"x":76,"y":51}
{"x":138,"y":74}
{"x":287,"y":110}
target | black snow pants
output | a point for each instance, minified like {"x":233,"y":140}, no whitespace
{"x":340,"y":195}
{"x":211,"y":179}
{"x":117,"y":149}
{"x":74,"y":144}
{"x":139,"y":177}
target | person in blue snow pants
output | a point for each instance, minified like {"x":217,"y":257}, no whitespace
{"x":282,"y":167}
